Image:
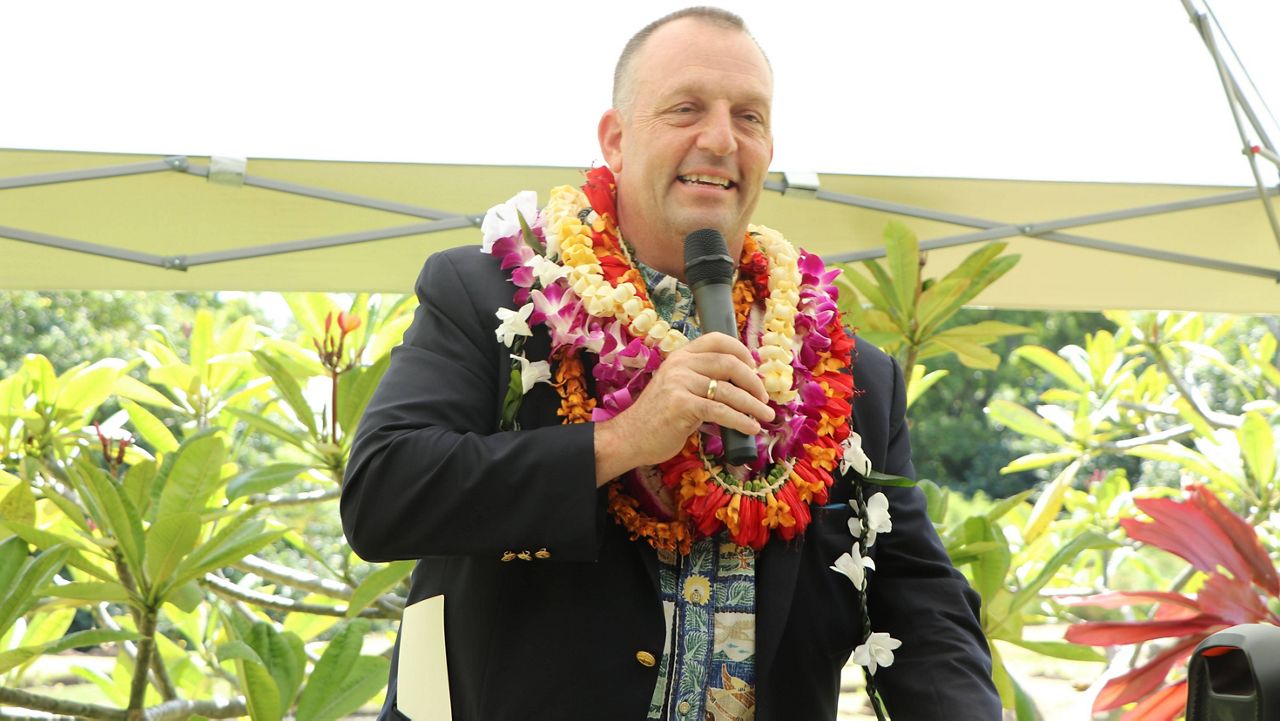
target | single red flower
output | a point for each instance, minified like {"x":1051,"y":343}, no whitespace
{"x":613,"y":268}
{"x":347,"y":322}
{"x":600,"y":191}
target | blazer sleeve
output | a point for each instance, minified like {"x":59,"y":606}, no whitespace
{"x":943,"y":668}
{"x":429,"y":473}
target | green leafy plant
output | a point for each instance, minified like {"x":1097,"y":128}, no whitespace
{"x":160,"y":518}
{"x":906,"y":314}
{"x":1010,"y":570}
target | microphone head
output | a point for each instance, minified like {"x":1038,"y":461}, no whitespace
{"x":706,"y":258}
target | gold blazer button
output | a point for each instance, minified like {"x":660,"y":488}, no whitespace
{"x":645,"y":658}
{"x":524,"y":556}
{"x":508,"y":556}
{"x":543,"y":553}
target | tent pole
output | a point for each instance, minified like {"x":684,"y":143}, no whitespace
{"x":1236,"y":101}
{"x":80,"y":246}
{"x":330,"y":241}
{"x":309,"y":191}
{"x":69,"y":176}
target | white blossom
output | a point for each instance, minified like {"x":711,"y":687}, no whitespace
{"x":546,"y":271}
{"x":532,"y":372}
{"x":853,"y":564}
{"x":877,"y":651}
{"x":502,"y":220}
{"x":854,"y":457}
{"x":514,"y":323}
{"x":877,"y":517}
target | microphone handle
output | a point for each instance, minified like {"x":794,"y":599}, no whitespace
{"x":714,"y":302}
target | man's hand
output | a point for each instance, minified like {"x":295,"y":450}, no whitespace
{"x":675,"y":403}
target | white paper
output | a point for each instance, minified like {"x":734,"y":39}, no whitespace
{"x":422,"y":677}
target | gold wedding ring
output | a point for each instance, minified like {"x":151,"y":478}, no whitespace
{"x":711,"y":389}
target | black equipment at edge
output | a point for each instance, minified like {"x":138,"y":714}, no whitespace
{"x":708,"y":269}
{"x":1234,"y":675}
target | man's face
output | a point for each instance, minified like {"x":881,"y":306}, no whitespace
{"x":692,"y":147}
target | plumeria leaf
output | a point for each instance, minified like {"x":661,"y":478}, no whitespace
{"x":903,"y":255}
{"x":1258,"y":446}
{"x":1038,"y":460}
{"x":1068,"y":552}
{"x":342,"y":679}
{"x":1049,"y":504}
{"x":263,"y":479}
{"x":269,"y":427}
{"x":355,"y":388}
{"x":16,"y":657}
{"x":1015,"y":417}
{"x":864,"y":287}
{"x":1058,"y":649}
{"x":1054,"y":364}
{"x":152,"y":429}
{"x":937,"y":301}
{"x":1002,"y":507}
{"x":921,"y":382}
{"x":19,"y":504}
{"x":290,"y":391}
{"x":377,"y":583}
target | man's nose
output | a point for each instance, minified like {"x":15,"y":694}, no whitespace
{"x":716,"y":136}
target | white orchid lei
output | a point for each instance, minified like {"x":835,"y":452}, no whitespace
{"x":558,"y":264}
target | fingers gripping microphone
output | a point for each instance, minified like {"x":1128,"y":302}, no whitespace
{"x":708,"y":269}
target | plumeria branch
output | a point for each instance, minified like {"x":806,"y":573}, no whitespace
{"x":176,"y":710}
{"x":295,"y":499}
{"x":230,"y":590}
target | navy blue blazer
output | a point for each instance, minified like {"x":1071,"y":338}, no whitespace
{"x":557,"y":636}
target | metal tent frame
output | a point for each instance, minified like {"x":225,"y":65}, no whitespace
{"x":232,"y":171}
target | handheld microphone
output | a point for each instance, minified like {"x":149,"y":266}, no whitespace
{"x":708,"y":269}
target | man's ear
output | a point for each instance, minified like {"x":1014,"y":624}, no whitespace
{"x":610,"y":134}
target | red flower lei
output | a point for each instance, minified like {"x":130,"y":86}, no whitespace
{"x":709,"y":497}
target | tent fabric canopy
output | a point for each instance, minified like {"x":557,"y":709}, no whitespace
{"x":104,"y":221}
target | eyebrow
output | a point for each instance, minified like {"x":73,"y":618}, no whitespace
{"x":753,"y":98}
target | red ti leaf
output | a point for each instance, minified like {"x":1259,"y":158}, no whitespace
{"x":1144,"y":679}
{"x":1120,"y":633}
{"x":1188,"y":532}
{"x":1233,"y":601}
{"x":1167,"y":704}
{"x":1120,"y":599}
{"x":1243,"y":537}
{"x":1169,"y":612}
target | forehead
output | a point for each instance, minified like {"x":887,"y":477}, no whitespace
{"x":692,"y":54}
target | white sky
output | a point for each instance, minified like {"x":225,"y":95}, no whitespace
{"x":1085,"y":90}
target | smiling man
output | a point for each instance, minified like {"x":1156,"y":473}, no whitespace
{"x":546,"y":442}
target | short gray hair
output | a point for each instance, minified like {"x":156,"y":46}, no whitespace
{"x":712,"y":15}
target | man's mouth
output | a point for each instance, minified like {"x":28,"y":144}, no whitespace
{"x":706,"y":180}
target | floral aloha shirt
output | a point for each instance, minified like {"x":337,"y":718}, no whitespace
{"x":707,"y":671}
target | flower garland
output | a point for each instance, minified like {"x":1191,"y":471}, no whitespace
{"x":575,"y":276}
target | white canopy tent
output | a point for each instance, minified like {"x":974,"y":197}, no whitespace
{"x":1095,"y":109}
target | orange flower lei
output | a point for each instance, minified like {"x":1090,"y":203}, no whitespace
{"x":709,"y":497}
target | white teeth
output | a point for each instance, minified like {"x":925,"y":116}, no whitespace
{"x":707,"y":180}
